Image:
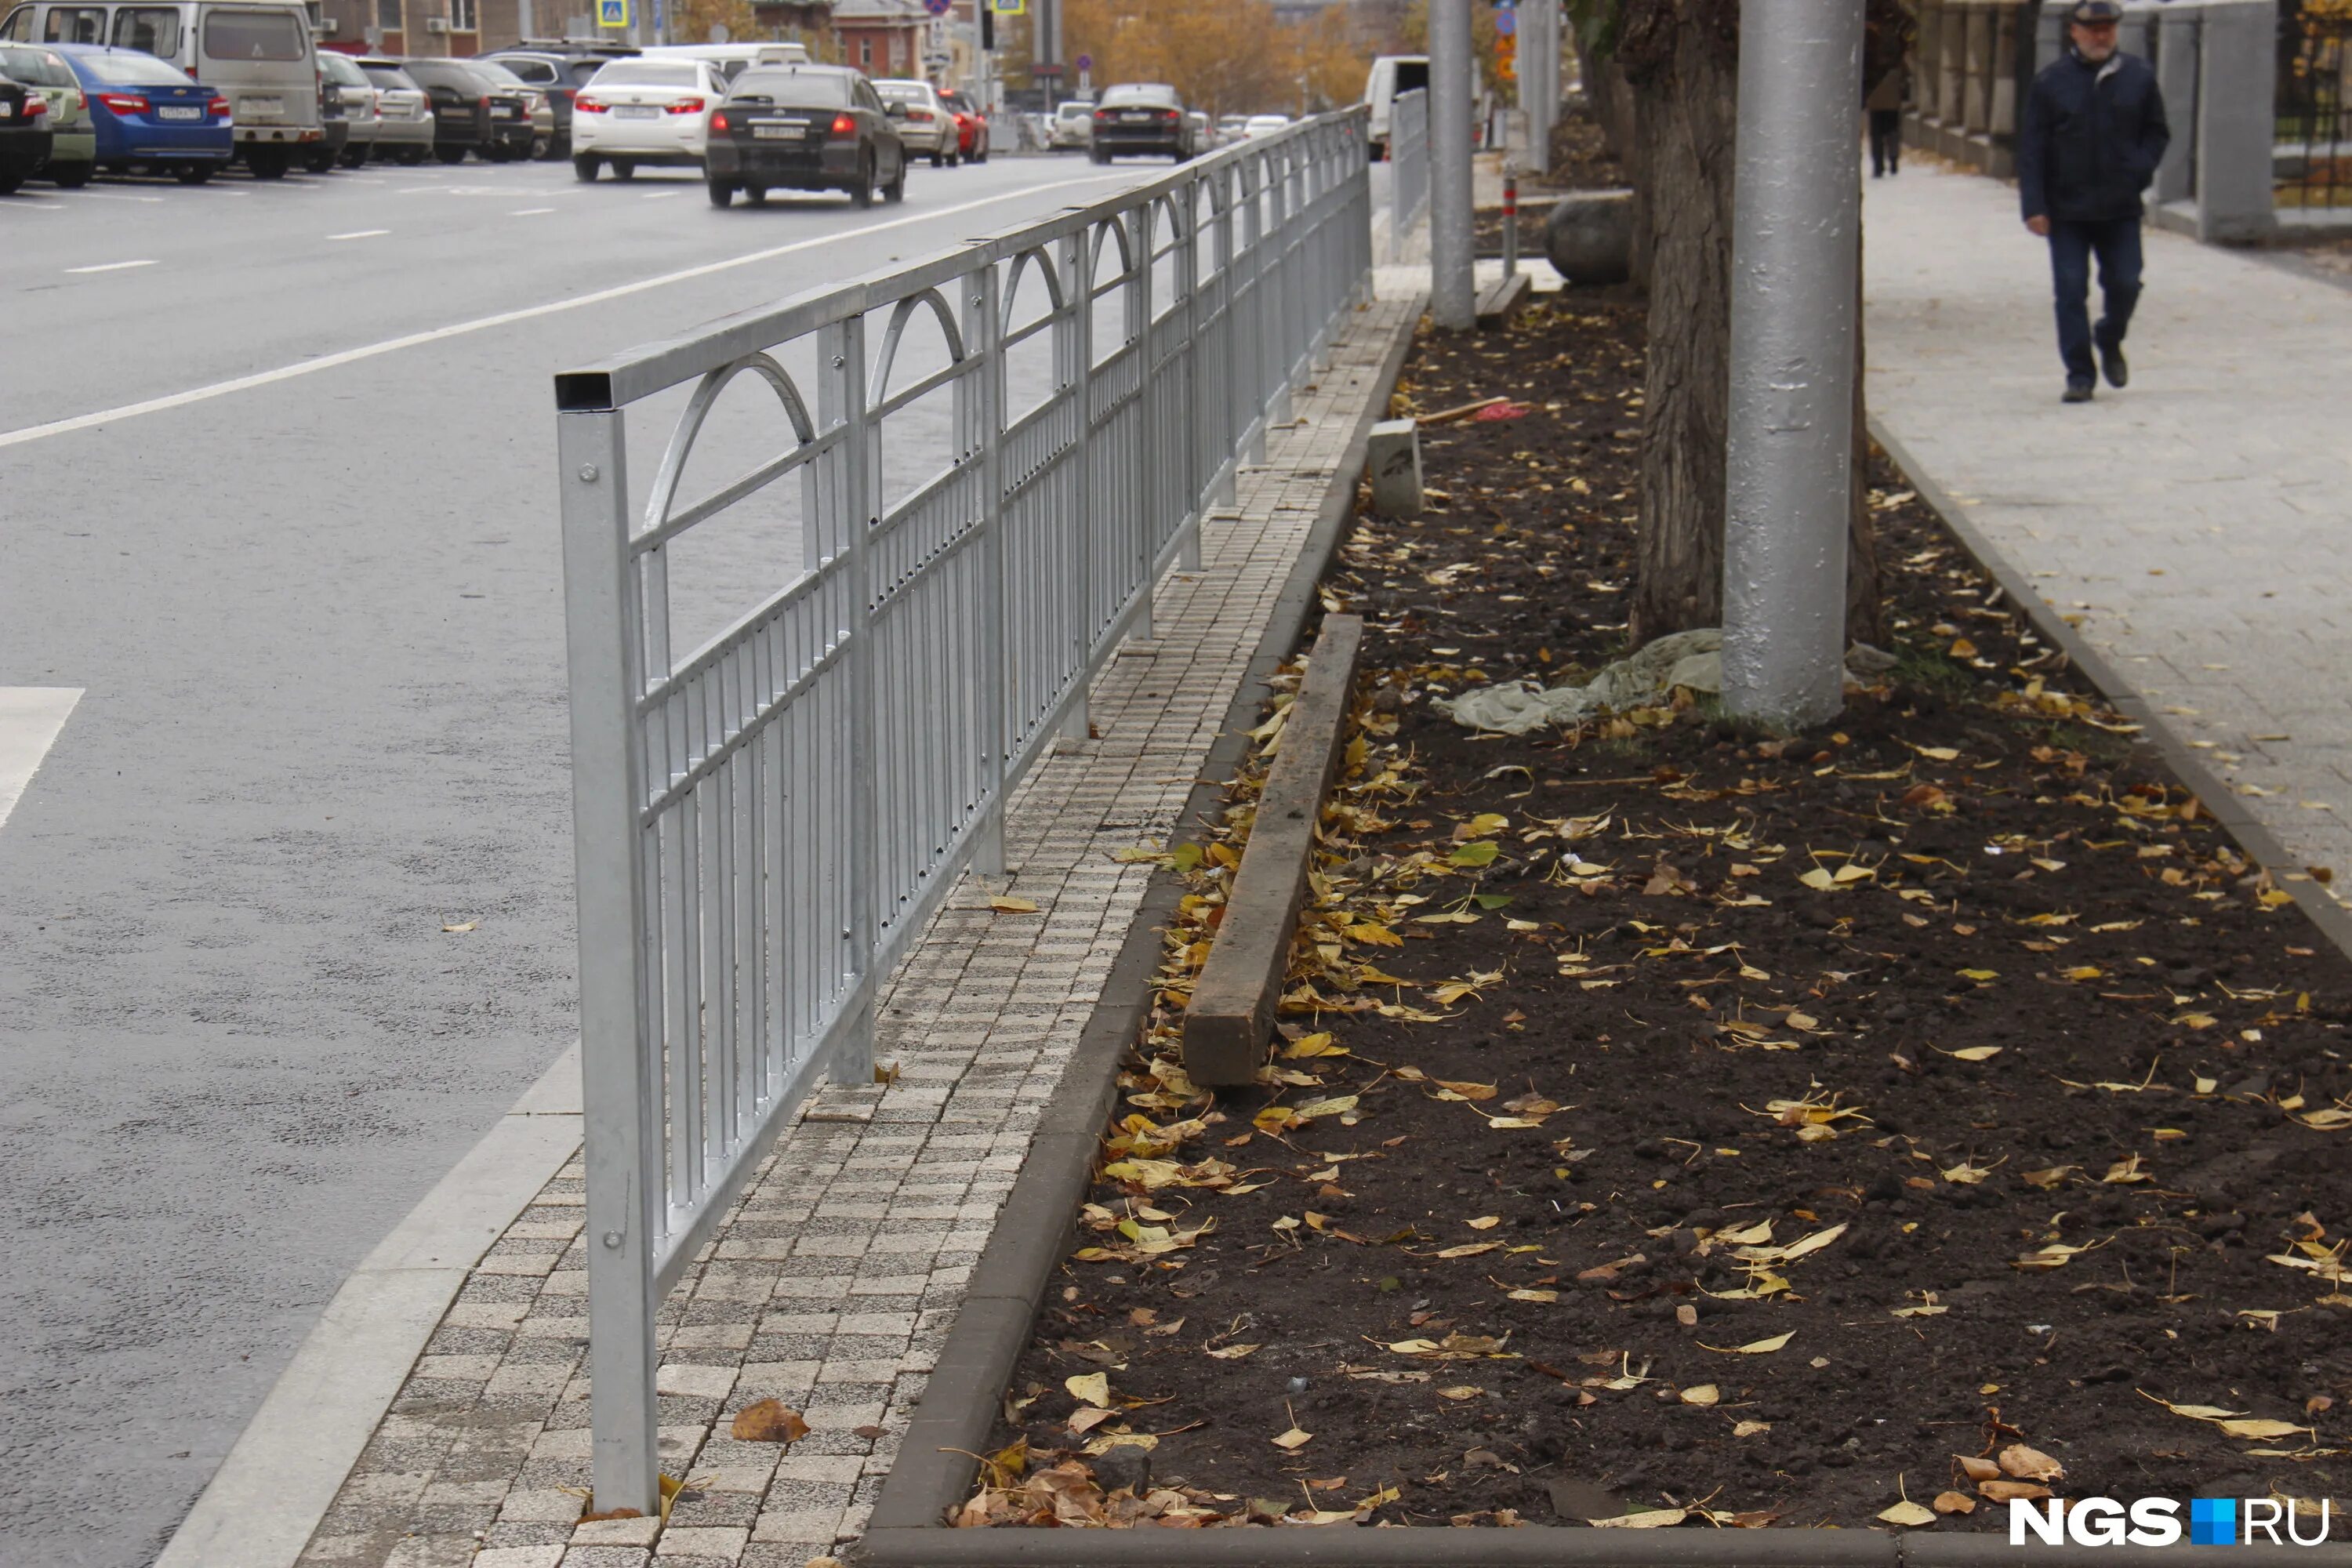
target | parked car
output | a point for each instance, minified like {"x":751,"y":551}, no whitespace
{"x":471,"y":114}
{"x":73,"y":144}
{"x":1140,"y":117}
{"x":535,"y":105}
{"x":1390,"y":75}
{"x":560,"y":72}
{"x":1231,"y":128}
{"x":405,"y":126}
{"x":346,"y":93}
{"x":805,"y":128}
{"x":1073,"y":121}
{"x":1265,"y":125}
{"x":258,"y":53}
{"x":971,"y":126}
{"x":24,"y":138}
{"x":929,"y":126}
{"x":146,"y":113}
{"x":645,"y":110}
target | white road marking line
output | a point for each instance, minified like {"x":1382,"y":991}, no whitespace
{"x":361,"y":234}
{"x":505,"y":318}
{"x":21,"y":205}
{"x":660,"y":196}
{"x":529,"y":212}
{"x":117,"y":196}
{"x":30,"y":720}
{"x":112,"y":266}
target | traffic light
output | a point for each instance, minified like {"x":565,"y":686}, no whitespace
{"x":988,"y":26}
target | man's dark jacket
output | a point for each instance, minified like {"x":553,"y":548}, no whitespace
{"x":2090,"y":139}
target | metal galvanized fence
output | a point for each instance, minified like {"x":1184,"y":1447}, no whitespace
{"x":763,"y":821}
{"x":1408,"y":166}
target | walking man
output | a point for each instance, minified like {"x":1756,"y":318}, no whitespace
{"x":2094,"y":131}
{"x":1884,"y":104}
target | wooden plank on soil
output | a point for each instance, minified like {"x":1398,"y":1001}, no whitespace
{"x":1499,"y":303}
{"x":1232,"y":1015}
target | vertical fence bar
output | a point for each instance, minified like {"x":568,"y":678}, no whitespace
{"x":857,"y":851}
{"x":1078,"y":265}
{"x":621,"y":1102}
{"x":983,"y":337}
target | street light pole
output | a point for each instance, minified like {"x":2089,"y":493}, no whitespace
{"x":1453,"y":296}
{"x":1788,"y":453}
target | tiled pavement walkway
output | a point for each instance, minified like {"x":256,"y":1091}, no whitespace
{"x":2195,"y":521}
{"x":835,"y":1282}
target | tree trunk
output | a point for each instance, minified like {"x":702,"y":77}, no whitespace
{"x":1684,"y":115}
{"x":1866,"y":619}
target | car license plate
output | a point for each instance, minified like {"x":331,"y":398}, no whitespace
{"x":636,"y":112}
{"x":775,"y":132}
{"x":173,"y":112}
{"x":1133,"y":118}
{"x":260,"y":107}
{"x":497,"y":113}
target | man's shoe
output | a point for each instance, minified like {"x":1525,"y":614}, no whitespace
{"x":2077,"y":392}
{"x":2111,"y":362}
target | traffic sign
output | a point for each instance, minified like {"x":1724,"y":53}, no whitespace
{"x":1009,"y":7}
{"x":612,"y":13}
{"x":1506,"y":23}
{"x":1505,"y":46}
{"x":1043,"y":69}
{"x":1085,"y":62}
{"x":939,"y":7}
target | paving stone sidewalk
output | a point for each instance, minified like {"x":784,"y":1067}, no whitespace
{"x":835,"y":1282}
{"x":2194,"y":522}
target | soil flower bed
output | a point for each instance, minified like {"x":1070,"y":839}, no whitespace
{"x":1675,"y":1124}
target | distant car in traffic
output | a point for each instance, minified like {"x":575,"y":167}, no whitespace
{"x":558,"y":71}
{"x":25,"y":137}
{"x":971,"y":126}
{"x":805,"y":128}
{"x":928,"y":126}
{"x":405,"y":126}
{"x":472,"y":113}
{"x":1231,"y":128}
{"x":1073,"y":123}
{"x":73,"y":144}
{"x":1140,"y":117}
{"x":645,"y":110}
{"x":1265,"y":125}
{"x":345,"y":93}
{"x":732,"y":61}
{"x":535,"y":105}
{"x":147,"y":113}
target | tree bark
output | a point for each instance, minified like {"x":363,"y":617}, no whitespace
{"x":1680,"y":59}
{"x":1866,"y":619}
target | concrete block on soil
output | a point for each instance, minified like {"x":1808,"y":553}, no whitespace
{"x":1392,"y":459}
{"x":1589,"y":236}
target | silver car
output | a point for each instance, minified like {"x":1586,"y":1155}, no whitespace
{"x":404,"y":128}
{"x":1074,"y":123}
{"x":354,"y":99}
{"x":927,"y":128}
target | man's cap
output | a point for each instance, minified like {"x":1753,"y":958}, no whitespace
{"x":2096,"y":11}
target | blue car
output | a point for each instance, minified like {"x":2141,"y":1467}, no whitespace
{"x":146,"y":112}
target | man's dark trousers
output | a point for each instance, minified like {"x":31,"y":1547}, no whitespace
{"x":2072,"y":242}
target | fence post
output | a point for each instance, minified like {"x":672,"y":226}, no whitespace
{"x":619,"y":1127}
{"x":2176,"y":77}
{"x":983,"y":432}
{"x":1187,"y":257}
{"x":1078,"y":346}
{"x":1135,"y":300}
{"x":2237,"y":94}
{"x":840,"y":398}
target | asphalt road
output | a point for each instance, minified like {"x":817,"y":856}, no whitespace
{"x":277,"y":463}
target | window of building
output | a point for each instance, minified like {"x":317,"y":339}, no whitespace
{"x":865,"y":53}
{"x":463,"y":16}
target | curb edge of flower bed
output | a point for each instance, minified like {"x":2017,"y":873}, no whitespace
{"x":937,"y":1457}
{"x":2318,"y":904}
{"x":1034,"y":1229}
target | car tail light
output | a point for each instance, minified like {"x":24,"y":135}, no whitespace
{"x":1102,"y":114}
{"x":718,"y":121}
{"x":486,"y":101}
{"x":36,"y":105}
{"x":1170,"y":114}
{"x":123,"y":103}
{"x":583,"y":104}
{"x":922,"y":114}
{"x":842,"y":125}
{"x":218,"y":109}
{"x":685,"y":106}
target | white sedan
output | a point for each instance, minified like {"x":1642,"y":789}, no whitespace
{"x":1265,"y":125}
{"x":637,"y":112}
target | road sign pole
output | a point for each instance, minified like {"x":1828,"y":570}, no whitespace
{"x":1452,"y":293}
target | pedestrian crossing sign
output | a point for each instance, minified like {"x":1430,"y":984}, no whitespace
{"x":612,"y":13}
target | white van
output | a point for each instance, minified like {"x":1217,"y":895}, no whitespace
{"x":258,"y":54}
{"x":1391,"y":74}
{"x":732,"y":61}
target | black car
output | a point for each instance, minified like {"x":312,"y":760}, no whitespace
{"x":560,"y":72}
{"x":471,"y":114}
{"x":805,"y":128}
{"x":24,"y":134}
{"x":1140,"y":117}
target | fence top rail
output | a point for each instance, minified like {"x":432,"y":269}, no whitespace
{"x":641,"y":372}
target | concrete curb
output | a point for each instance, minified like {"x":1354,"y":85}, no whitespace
{"x":262,"y":1505}
{"x":1034,"y":1229}
{"x":2331,"y":918}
